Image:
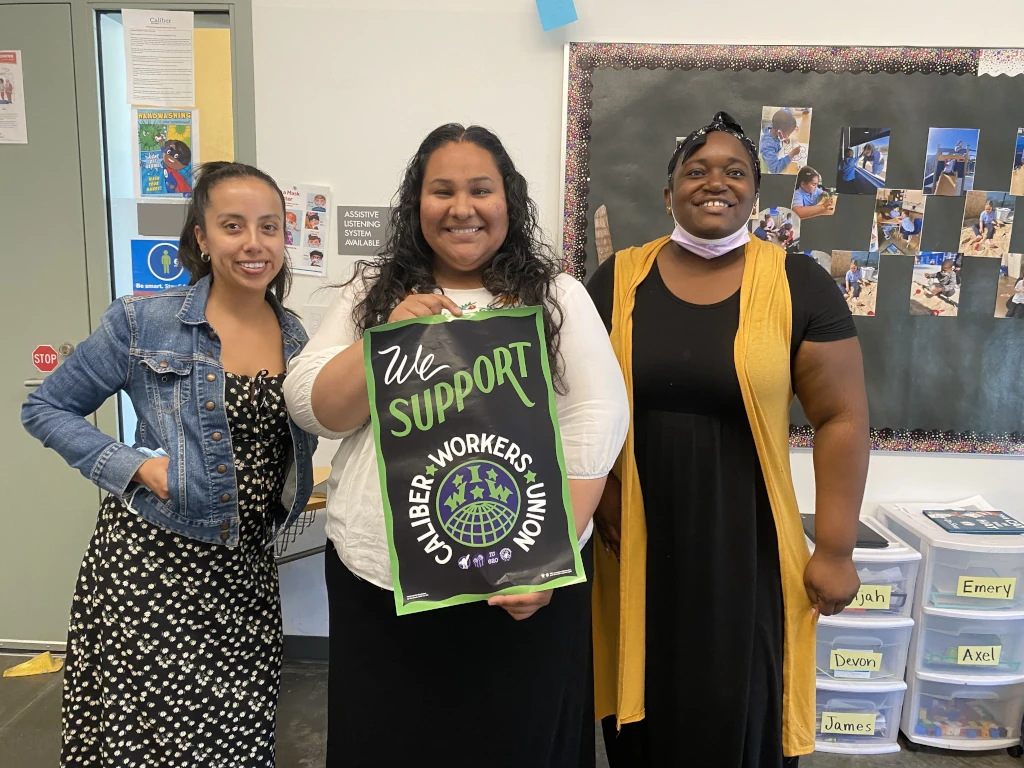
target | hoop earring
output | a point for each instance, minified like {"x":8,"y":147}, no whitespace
{"x":204,"y":257}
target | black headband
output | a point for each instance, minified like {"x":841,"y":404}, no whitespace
{"x":722,"y":121}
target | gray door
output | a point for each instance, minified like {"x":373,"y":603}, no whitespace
{"x":48,"y":510}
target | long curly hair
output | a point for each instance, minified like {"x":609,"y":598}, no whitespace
{"x":522,"y":271}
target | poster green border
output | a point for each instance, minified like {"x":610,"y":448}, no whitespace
{"x":428,"y":605}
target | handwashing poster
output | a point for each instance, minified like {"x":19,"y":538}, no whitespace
{"x":166,"y":143}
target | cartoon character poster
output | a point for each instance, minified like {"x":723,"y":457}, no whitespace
{"x":167,"y":145}
{"x":476,"y":500}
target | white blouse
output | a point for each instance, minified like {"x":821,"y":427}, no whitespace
{"x":593,"y":417}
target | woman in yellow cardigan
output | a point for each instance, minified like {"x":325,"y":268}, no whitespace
{"x":705,"y":598}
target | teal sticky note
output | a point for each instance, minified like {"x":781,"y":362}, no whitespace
{"x":556,"y":13}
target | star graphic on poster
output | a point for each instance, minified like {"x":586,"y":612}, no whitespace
{"x":492,"y":474}
{"x":530,"y":476}
{"x":431,"y":470}
{"x":459,"y":481}
{"x":478,"y":492}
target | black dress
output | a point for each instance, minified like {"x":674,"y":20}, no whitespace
{"x":174,"y":647}
{"x":714,"y":590}
{"x":466,"y":685}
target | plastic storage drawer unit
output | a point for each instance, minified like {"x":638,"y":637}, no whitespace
{"x":978,"y":572}
{"x":955,"y":642}
{"x":858,"y":717}
{"x":965,"y":715}
{"x":857,"y":648}
{"x":979,"y":581}
{"x":887,"y":574}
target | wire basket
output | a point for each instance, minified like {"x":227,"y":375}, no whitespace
{"x":293,"y":531}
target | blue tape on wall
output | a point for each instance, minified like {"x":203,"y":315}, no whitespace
{"x":556,"y":13}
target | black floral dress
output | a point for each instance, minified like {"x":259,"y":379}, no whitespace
{"x":174,"y":647}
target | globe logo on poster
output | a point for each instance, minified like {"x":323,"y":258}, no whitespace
{"x":478,"y":503}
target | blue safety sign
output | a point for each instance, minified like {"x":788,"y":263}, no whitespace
{"x":155,"y":266}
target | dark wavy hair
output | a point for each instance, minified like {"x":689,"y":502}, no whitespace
{"x":208,"y":177}
{"x":807,"y":174}
{"x":522,"y":271}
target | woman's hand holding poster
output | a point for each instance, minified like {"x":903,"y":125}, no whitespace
{"x":475,"y":493}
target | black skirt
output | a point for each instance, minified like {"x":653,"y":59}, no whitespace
{"x":461,"y":685}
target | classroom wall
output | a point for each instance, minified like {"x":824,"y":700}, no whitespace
{"x":345,"y":89}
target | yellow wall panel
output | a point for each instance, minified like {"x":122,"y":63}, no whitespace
{"x":213,"y":94}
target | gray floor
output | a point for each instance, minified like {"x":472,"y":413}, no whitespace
{"x":30,"y":727}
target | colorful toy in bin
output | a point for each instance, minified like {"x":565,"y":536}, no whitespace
{"x":944,"y":719}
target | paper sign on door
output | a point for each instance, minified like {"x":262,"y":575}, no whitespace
{"x":854,"y":664}
{"x":872,"y":597}
{"x":848,"y":723}
{"x":979,"y":655}
{"x":986,"y":586}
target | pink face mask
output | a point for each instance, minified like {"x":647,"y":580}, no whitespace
{"x":709,"y":249}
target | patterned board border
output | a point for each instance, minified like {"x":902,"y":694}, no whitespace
{"x":585,"y":58}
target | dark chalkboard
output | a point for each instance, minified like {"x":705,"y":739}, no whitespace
{"x":952,"y":374}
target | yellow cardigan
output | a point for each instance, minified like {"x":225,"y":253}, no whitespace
{"x":762,"y":354}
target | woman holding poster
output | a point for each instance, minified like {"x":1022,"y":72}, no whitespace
{"x":713,"y":629}
{"x":504,"y":682}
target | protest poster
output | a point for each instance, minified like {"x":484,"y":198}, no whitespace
{"x":476,"y":498}
{"x":167,"y":146}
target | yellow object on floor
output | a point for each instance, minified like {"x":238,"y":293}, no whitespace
{"x":42,"y":664}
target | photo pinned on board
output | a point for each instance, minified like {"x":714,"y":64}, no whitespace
{"x":863,"y":159}
{"x":778,"y":226}
{"x":899,"y":220}
{"x":856,"y":274}
{"x":950,"y":160}
{"x":1017,"y":175}
{"x":935,"y":287}
{"x":1010,"y":288}
{"x":785,"y":139}
{"x":822,"y":258}
{"x":810,"y":199}
{"x":988,"y":223}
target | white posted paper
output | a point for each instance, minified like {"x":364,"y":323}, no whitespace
{"x":159,"y":53}
{"x":12,"y":100}
{"x":307,"y":227}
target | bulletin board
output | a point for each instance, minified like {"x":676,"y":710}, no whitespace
{"x":944,"y":365}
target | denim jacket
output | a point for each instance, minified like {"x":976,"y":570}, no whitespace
{"x":163,"y":353}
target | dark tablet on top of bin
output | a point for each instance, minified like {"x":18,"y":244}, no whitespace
{"x":867,"y":538}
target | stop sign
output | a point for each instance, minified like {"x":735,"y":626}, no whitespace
{"x":44,"y":357}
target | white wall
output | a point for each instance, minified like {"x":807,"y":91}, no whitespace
{"x":345,"y":90}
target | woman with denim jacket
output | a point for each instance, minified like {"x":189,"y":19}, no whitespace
{"x":174,"y":645}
